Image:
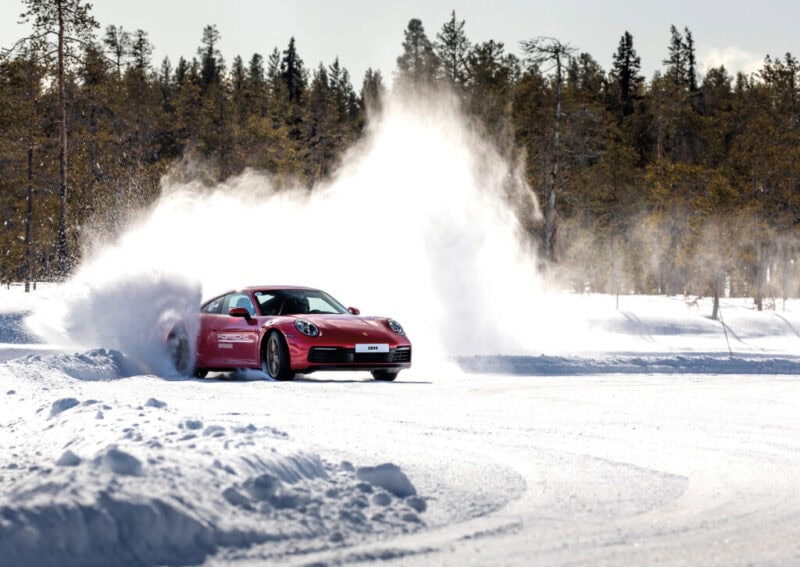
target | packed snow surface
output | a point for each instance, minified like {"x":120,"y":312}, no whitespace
{"x":646,"y":437}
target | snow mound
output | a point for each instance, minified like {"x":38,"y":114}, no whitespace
{"x":389,"y":477}
{"x":97,"y":364}
{"x":90,"y":480}
{"x":121,"y":515}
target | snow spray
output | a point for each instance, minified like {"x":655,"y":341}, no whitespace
{"x":420,"y":223}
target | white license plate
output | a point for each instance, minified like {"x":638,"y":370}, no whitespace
{"x":378,"y":348}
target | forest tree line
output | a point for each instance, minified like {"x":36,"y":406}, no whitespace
{"x":681,"y":183}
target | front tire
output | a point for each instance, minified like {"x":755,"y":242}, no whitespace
{"x":275,"y":361}
{"x":384,"y":375}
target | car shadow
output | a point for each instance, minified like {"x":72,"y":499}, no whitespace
{"x":257,"y":376}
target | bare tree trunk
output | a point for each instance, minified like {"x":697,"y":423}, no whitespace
{"x":717,"y":291}
{"x":94,"y":170}
{"x":63,"y":247}
{"x":29,"y":213}
{"x":759,"y":277}
{"x":550,"y":212}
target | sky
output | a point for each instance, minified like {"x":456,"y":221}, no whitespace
{"x":369,"y":33}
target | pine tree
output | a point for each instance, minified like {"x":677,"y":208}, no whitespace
{"x":492,"y":75}
{"x":118,"y":42}
{"x":63,"y":25}
{"x":418,"y":65}
{"x":676,"y":61}
{"x":274,"y":69}
{"x":452,"y":47}
{"x":21,"y":150}
{"x":141,"y":52}
{"x":322,"y":129}
{"x":257,"y":88}
{"x":586,"y":78}
{"x":238,"y":87}
{"x":682,"y":61}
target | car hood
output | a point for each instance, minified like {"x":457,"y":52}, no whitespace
{"x":364,"y":328}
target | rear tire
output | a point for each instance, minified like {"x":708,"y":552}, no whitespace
{"x":275,"y":361}
{"x":384,"y":375}
{"x":179,"y":352}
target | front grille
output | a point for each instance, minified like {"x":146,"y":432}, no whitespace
{"x":372,"y":357}
{"x":336,"y":355}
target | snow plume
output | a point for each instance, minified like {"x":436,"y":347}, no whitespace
{"x":421,"y":223}
{"x":130,"y":309}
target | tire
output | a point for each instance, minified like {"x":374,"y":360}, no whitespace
{"x":275,"y":361}
{"x":384,"y":375}
{"x":179,"y":352}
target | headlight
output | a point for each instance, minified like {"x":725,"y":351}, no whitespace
{"x":308,"y":329}
{"x":396,"y":327}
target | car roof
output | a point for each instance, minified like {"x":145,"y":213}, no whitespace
{"x":271,"y":287}
{"x":254,"y":288}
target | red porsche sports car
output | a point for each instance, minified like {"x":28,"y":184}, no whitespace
{"x":286,"y":330}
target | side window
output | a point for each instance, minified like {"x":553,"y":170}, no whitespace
{"x":214,"y":306}
{"x":238,"y":300}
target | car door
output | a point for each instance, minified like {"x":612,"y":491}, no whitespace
{"x":235,"y":339}
{"x":208,"y":356}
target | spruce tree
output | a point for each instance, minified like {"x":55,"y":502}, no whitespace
{"x":372,"y":91}
{"x":210,"y":57}
{"x":626,"y":73}
{"x":691,"y":61}
{"x":293,"y":73}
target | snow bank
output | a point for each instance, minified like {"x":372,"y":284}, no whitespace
{"x":93,"y":479}
{"x":655,"y":363}
{"x":98,"y":364}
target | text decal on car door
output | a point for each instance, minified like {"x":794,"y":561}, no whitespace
{"x":236,"y":338}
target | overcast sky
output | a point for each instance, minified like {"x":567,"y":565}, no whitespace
{"x":369,"y":33}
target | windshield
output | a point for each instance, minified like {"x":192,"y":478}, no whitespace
{"x":298,"y":302}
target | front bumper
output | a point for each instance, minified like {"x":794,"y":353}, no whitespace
{"x":343,"y":358}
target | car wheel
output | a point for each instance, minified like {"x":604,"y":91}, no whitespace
{"x":275,"y":358}
{"x":384,"y":375}
{"x":178,"y":349}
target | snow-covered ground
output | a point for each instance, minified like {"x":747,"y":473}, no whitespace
{"x":632,"y":437}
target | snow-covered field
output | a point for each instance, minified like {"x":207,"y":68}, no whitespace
{"x":652,"y":445}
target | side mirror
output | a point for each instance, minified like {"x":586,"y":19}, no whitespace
{"x":239,"y":312}
{"x":354,"y":310}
